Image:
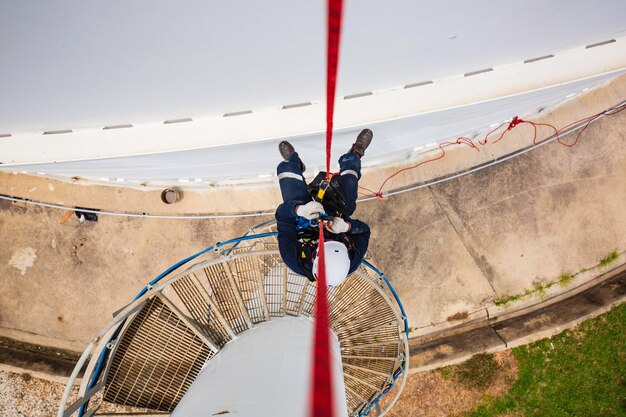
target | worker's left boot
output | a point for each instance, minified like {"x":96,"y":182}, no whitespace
{"x":362,"y":142}
{"x":286,"y":150}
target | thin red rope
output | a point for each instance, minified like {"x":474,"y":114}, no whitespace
{"x":321,"y":395}
{"x":321,"y":401}
{"x":516,"y":121}
{"x":332,"y":59}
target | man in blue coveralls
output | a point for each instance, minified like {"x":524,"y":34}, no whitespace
{"x":346,"y":239}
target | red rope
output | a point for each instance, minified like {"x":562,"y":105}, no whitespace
{"x":442,"y":145}
{"x":321,"y":396}
{"x":321,"y":401}
{"x":516,"y":121}
{"x":332,"y":59}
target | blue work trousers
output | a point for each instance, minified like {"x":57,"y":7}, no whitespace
{"x":294,"y":189}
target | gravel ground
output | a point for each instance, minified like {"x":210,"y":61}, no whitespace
{"x":426,"y":394}
{"x":25,"y":396}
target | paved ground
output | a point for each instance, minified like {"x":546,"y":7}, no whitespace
{"x":81,"y":273}
{"x":452,"y":247}
{"x":448,"y":249}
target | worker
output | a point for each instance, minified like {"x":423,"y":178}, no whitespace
{"x":298,"y":217}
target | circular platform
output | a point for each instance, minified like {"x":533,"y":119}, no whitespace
{"x":150,"y":353}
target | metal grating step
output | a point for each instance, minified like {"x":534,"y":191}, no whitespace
{"x":156,"y":360}
{"x":385,"y":367}
{"x":203,"y":309}
{"x":183,"y":324}
{"x":228,"y":297}
{"x":368,"y":333}
{"x":249,"y":279}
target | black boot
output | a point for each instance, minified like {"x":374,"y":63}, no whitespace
{"x":362,"y":142}
{"x":286,"y":149}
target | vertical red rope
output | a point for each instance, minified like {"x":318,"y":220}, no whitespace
{"x":321,"y":399}
{"x":332,"y":59}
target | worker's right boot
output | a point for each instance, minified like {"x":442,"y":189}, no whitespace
{"x":362,"y":142}
{"x":286,"y":150}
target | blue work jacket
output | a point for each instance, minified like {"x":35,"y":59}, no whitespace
{"x":298,"y":256}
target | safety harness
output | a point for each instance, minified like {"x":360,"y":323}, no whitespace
{"x":330,"y":194}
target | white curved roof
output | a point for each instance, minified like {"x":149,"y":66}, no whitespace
{"x":77,"y":66}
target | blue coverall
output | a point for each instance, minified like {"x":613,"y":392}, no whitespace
{"x":297,"y":255}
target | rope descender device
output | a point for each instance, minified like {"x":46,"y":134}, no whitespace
{"x":323,"y":187}
{"x":304,"y":223}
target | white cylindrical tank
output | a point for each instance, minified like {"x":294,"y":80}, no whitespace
{"x":265,"y":372}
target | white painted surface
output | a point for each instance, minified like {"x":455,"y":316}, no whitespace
{"x":263,"y":373}
{"x":393,"y":140}
{"x":87,"y":65}
{"x":72,"y":64}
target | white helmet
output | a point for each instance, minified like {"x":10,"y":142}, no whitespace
{"x":337,"y":263}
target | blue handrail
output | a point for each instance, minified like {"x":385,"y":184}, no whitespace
{"x":236,"y":241}
{"x":192,"y":257}
{"x":103,"y":354}
{"x":406,"y":335}
{"x":395,"y":295}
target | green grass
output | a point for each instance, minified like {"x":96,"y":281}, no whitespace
{"x":565,"y":279}
{"x":478,"y":371}
{"x":581,"y":372}
{"x":608,"y":259}
{"x":538,"y":289}
{"x":502,"y":301}
{"x":446,"y":372}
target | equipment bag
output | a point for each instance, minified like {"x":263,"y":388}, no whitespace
{"x":330,"y":194}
